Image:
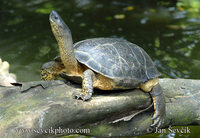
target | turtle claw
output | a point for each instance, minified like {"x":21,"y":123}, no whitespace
{"x":82,"y":95}
{"x":156,"y":122}
{"x":77,"y":95}
{"x":86,"y":97}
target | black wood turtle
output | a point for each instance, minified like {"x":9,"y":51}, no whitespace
{"x":106,"y":64}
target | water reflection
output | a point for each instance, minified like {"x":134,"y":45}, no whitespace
{"x":167,"y":34}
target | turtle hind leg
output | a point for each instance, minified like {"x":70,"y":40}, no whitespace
{"x":159,"y":106}
{"x":87,"y":86}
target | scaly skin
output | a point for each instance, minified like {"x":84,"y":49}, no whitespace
{"x":87,"y":86}
{"x":64,"y":38}
{"x":159,"y":106}
{"x":52,"y":69}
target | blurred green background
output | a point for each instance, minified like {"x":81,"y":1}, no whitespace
{"x":168,"y":30}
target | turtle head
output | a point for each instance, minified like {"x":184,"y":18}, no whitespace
{"x":58,"y":26}
{"x":51,"y":70}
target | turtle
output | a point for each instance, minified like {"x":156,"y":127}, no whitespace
{"x":105,"y":64}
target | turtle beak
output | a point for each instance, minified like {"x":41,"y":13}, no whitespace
{"x":54,"y":17}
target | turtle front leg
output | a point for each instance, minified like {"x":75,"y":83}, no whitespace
{"x":87,"y":86}
{"x":159,"y":106}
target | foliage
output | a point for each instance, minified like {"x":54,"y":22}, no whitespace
{"x":189,"y":5}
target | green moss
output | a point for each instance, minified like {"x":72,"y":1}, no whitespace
{"x":46,"y":9}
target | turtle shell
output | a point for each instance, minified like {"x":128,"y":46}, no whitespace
{"x":125,"y":63}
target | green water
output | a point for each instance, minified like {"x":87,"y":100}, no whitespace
{"x":168,"y":34}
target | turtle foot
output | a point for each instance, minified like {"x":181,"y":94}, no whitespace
{"x":82,"y":95}
{"x":159,"y":107}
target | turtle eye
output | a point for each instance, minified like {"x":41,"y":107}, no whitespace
{"x":56,"y":17}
